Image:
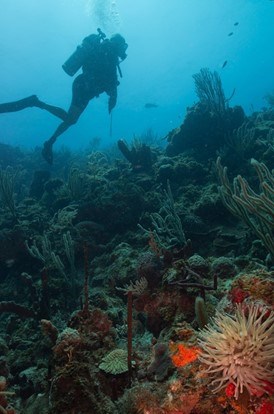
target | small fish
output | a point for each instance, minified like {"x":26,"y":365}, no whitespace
{"x":236,"y":23}
{"x":224,"y":64}
{"x":230,"y":34}
{"x":151,"y":105}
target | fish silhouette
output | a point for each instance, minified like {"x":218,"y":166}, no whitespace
{"x":150,"y":105}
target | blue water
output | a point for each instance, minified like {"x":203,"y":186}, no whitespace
{"x":169,"y":41}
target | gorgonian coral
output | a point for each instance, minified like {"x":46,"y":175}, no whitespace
{"x":239,"y":349}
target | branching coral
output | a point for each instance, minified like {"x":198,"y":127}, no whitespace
{"x":239,"y":349}
{"x":167,"y":226}
{"x":7,"y":184}
{"x":256,"y":210}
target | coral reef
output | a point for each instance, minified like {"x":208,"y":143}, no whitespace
{"x":135,"y":285}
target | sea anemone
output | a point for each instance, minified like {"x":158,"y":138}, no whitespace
{"x":239,"y":349}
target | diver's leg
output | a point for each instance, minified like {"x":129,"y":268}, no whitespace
{"x":15,"y":106}
{"x":72,"y":117}
{"x":55,"y":110}
{"x":79,"y":102}
{"x":30,"y":102}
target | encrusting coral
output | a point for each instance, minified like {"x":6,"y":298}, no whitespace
{"x":115,"y":362}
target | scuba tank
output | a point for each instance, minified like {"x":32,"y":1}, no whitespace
{"x":88,"y":46}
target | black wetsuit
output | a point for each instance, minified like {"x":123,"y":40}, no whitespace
{"x":99,"y":74}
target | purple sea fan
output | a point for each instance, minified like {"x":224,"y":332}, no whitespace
{"x":239,"y":349}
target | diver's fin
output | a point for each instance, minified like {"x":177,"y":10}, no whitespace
{"x":15,"y":106}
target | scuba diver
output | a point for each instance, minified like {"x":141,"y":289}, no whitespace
{"x":99,"y":59}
